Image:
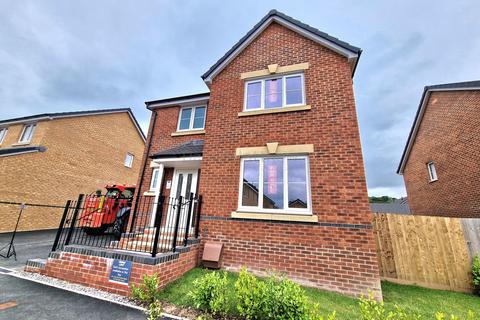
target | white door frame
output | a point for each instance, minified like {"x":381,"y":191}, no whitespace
{"x":171,"y":211}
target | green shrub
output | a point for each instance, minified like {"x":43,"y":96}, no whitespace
{"x":249,"y":292}
{"x":209,"y":293}
{"x":370,"y":309}
{"x":155,"y":310}
{"x":441,"y":316}
{"x":274,"y":298}
{"x":476,"y":274}
{"x":146,"y":293}
{"x":283,"y":300}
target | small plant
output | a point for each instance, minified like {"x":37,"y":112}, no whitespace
{"x":155,"y":310}
{"x":476,"y":274}
{"x":209,"y":293}
{"x":370,"y":309}
{"x":249,"y":291}
{"x":147,"y":292}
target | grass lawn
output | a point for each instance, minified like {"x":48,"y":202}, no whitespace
{"x":425,"y":302}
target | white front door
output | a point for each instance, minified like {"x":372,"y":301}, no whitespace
{"x":184,"y":183}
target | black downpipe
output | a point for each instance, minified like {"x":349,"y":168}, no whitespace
{"x":145,"y":161}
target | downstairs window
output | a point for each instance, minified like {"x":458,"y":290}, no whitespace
{"x":275,"y":184}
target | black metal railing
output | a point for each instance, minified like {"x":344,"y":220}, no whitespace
{"x":156,"y":226}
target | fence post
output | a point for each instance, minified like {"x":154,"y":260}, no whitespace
{"x":177,"y":221}
{"x":60,"y":227}
{"x":189,"y":215}
{"x":157,"y":223}
{"x":197,"y":220}
{"x":74,"y":218}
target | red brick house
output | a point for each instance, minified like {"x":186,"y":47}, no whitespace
{"x":440,"y":161}
{"x":274,"y":150}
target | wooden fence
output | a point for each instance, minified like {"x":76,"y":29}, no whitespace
{"x":433,"y":252}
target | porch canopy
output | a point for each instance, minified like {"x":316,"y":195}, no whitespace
{"x":185,"y":155}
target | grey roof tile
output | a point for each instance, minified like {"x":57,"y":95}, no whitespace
{"x":187,"y":149}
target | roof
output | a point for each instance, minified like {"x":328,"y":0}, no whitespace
{"x":399,"y":206}
{"x":175,"y":101}
{"x":20,"y":150}
{"x":341,"y":47}
{"x":58,"y":115}
{"x":188,"y":149}
{"x":467,"y":85}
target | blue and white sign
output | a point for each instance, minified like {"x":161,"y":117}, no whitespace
{"x":120,"y":272}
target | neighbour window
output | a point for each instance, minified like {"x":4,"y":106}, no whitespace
{"x":128,"y":160}
{"x":192,"y":118}
{"x":154,"y":182}
{"x":273,"y":184}
{"x":432,"y":172}
{"x":27,"y":133}
{"x":274,"y":92}
{"x":3,"y":133}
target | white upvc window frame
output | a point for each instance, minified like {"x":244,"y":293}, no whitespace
{"x":130,"y":163}
{"x":152,"y":186}
{"x":284,"y":92}
{"x":286,"y":209}
{"x":192,"y":118}
{"x":25,"y":126}
{"x":3,"y":134}
{"x":432,"y":171}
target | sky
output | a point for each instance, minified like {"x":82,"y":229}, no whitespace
{"x":60,"y":56}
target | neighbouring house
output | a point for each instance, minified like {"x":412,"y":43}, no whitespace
{"x":274,"y":150}
{"x":441,"y":157}
{"x":398,"y":206}
{"x":49,"y":158}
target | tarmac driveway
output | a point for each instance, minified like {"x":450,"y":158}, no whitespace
{"x":28,"y":245}
{"x":31,"y":300}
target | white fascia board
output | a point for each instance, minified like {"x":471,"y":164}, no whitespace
{"x":340,"y":50}
{"x":163,"y":160}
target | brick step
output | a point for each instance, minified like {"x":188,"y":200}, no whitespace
{"x":36,"y":263}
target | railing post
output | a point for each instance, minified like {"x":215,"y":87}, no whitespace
{"x":197,"y":219}
{"x":177,"y":222}
{"x":157,"y":224}
{"x":189,"y":215}
{"x":60,"y":227}
{"x":74,"y":218}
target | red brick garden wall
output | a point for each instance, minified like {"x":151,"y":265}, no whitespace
{"x":94,"y":271}
{"x":449,"y":135}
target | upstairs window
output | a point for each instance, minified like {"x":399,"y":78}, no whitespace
{"x":3,"y":133}
{"x":192,"y":118}
{"x":275,"y":184}
{"x":128,"y":160}
{"x":432,"y":172}
{"x":27,"y":133}
{"x":275,"y":92}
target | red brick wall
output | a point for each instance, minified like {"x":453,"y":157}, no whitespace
{"x":94,"y":271}
{"x":449,"y":135}
{"x":335,"y":258}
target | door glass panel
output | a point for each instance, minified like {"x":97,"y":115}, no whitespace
{"x":273,"y":184}
{"x":188,"y":189}
{"x":179,"y":185}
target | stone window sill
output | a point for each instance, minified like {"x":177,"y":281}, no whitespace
{"x":275,"y":216}
{"x":149,"y":193}
{"x":187,"y":133}
{"x":276,"y":110}
{"x":20,"y":144}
